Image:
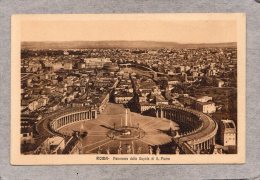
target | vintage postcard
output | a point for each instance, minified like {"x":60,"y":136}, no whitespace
{"x":128,"y":89}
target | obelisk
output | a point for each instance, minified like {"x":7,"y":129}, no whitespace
{"x":126,"y":117}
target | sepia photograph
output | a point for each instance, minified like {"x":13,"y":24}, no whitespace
{"x":128,"y":89}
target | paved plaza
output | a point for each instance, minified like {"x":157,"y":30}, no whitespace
{"x":114,"y":117}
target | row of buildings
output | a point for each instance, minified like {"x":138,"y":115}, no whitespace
{"x":56,"y":87}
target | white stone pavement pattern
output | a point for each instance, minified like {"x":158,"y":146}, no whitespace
{"x":114,"y":114}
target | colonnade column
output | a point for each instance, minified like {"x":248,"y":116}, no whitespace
{"x":75,"y":117}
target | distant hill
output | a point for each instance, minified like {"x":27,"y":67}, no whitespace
{"x":117,"y":44}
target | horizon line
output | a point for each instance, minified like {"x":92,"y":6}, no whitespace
{"x":127,"y":41}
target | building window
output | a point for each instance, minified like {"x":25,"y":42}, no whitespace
{"x":93,"y":115}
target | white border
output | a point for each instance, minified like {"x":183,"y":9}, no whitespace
{"x":19,"y":159}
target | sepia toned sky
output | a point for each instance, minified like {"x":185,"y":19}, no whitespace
{"x":185,"y":31}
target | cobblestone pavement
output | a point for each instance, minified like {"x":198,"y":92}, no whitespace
{"x":115,"y":116}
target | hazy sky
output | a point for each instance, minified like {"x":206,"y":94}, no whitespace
{"x":190,"y":31}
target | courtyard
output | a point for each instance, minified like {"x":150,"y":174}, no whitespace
{"x":118,"y":130}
